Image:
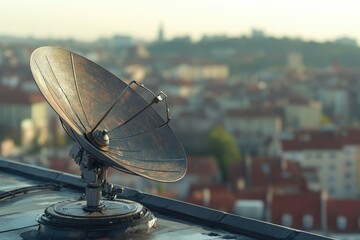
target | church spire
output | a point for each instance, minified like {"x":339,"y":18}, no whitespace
{"x":160,"y":37}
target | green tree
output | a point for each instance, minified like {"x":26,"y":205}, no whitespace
{"x":223,"y":146}
{"x":325,"y":120}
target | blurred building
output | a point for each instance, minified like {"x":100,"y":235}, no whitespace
{"x":295,"y":62}
{"x":343,"y":218}
{"x":252,"y":184}
{"x":136,"y":72}
{"x":179,"y":88}
{"x":264,"y":173}
{"x":301,"y":210}
{"x":7,"y":147}
{"x":161,"y":34}
{"x":252,"y":127}
{"x":201,"y":170}
{"x":335,"y":101}
{"x":315,"y":212}
{"x":302,"y":114}
{"x":257,"y":33}
{"x":213,"y":195}
{"x":346,"y":41}
{"x":23,"y":114}
{"x":122,"y":40}
{"x":137,"y":53}
{"x":193,"y":127}
{"x":335,"y":155}
{"x":196,"y":72}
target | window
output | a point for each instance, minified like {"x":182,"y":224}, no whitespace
{"x":286,"y":174}
{"x":331,"y":178}
{"x":348,"y":163}
{"x":332,"y":191}
{"x":286,"y":220}
{"x":308,"y":221}
{"x":265,"y":168}
{"x":341,"y":222}
{"x":348,"y":187}
{"x":332,"y":167}
{"x":348,"y":175}
{"x":349,"y":151}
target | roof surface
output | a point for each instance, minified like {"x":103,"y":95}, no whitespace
{"x":16,"y":96}
{"x":176,"y":219}
{"x":321,"y":140}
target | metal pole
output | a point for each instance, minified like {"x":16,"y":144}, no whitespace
{"x":93,"y":172}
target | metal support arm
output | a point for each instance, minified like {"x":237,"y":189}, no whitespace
{"x":93,"y":172}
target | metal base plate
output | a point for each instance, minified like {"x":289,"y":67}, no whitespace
{"x":69,"y":220}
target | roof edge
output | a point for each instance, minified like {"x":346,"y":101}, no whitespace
{"x":183,"y":210}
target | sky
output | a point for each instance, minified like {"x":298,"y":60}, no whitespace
{"x":88,"y":20}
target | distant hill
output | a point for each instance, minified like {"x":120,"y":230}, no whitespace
{"x":242,"y":54}
{"x":6,"y":39}
{"x":254,"y":54}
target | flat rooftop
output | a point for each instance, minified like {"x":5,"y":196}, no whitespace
{"x":175,"y":219}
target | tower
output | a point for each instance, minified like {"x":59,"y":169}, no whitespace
{"x":160,"y":37}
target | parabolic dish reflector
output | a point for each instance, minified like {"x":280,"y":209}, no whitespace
{"x":89,"y":100}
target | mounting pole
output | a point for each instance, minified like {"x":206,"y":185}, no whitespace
{"x":93,"y":172}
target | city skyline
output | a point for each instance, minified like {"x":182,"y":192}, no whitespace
{"x":89,"y":20}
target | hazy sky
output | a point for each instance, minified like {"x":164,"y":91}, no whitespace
{"x":88,"y":20}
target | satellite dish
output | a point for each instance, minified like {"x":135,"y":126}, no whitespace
{"x":113,"y":126}
{"x":91,"y":100}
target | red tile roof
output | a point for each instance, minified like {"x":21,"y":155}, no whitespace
{"x":262,"y":173}
{"x":15,"y":96}
{"x":167,"y":194}
{"x":220,"y":196}
{"x":236,"y":171}
{"x":297,"y":205}
{"x":252,"y":194}
{"x":298,"y":100}
{"x":282,"y":176}
{"x":217,"y":189}
{"x":205,"y":167}
{"x":347,"y":208}
{"x":250,"y":113}
{"x":321,"y":140}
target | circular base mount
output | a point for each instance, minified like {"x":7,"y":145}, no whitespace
{"x":69,"y":220}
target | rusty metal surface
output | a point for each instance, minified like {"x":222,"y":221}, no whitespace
{"x":82,"y":93}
